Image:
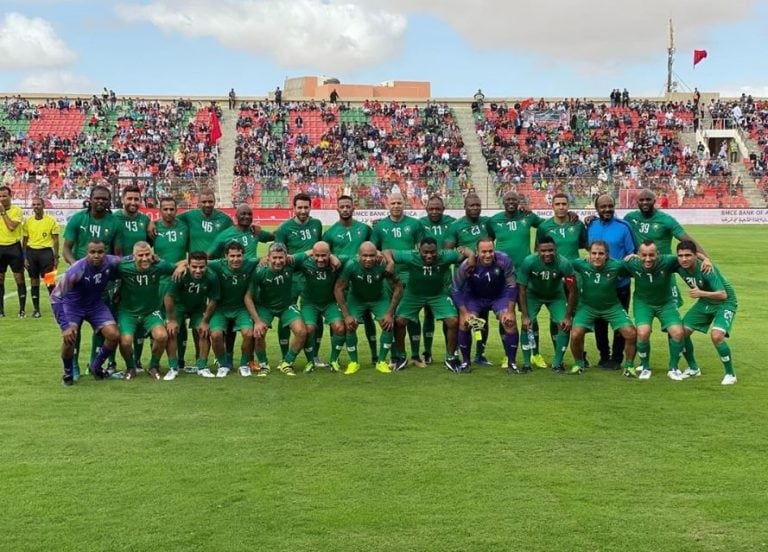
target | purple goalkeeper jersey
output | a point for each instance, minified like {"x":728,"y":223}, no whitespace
{"x":82,"y":287}
{"x":485,"y":282}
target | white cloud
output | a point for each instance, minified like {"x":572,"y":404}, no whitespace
{"x":324,"y":35}
{"x":60,"y":82}
{"x":26,"y":43}
{"x":734,"y":91}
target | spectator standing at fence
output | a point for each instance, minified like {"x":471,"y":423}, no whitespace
{"x":11,"y":254}
{"x":334,"y":96}
{"x":279,"y":97}
{"x":232,"y":98}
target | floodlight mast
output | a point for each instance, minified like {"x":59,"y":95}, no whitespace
{"x":670,"y":57}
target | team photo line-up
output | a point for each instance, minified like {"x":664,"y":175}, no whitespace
{"x":200,"y":266}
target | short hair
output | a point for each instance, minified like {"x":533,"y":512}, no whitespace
{"x":435,"y":197}
{"x":198,"y":256}
{"x":234,"y":245}
{"x":345,"y":196}
{"x":38,"y":198}
{"x":131,"y":188}
{"x":94,"y":241}
{"x":648,"y":242}
{"x":277,"y":247}
{"x":6,"y":189}
{"x":207,"y":192}
{"x":301,"y":197}
{"x":428,"y":240}
{"x":560,"y":195}
{"x":689,"y":245}
{"x":602,"y":243}
{"x":100,"y":188}
{"x":471,"y":196}
{"x":168,"y":198}
{"x":545,"y":239}
{"x":604,"y":195}
{"x":483,"y":239}
{"x":141,"y":245}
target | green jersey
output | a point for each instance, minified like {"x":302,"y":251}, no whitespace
{"x":544,"y":281}
{"x":365,"y":284}
{"x":203,"y":230}
{"x":401,"y":235}
{"x":245,"y":237}
{"x":140,"y":291}
{"x":654,"y":287}
{"x":439,"y":229}
{"x":345,"y":240}
{"x":513,"y":233}
{"x":659,"y":227}
{"x":714,"y":281}
{"x":191,"y":295}
{"x":171,"y":241}
{"x":465,"y":232}
{"x":134,"y":230}
{"x":319,"y":283}
{"x":299,"y":237}
{"x":597,"y":288}
{"x":272,"y":289}
{"x":82,"y":227}
{"x":426,"y":280}
{"x":569,"y":237}
{"x":232,"y":283}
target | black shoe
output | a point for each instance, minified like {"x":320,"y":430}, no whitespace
{"x":22,"y":314}
{"x":513,"y":370}
{"x":427,"y":357}
{"x":2,"y":314}
{"x":586,"y":361}
{"x":525,"y":369}
{"x":399,"y":364}
{"x":559,"y":369}
{"x":604,"y":363}
{"x":67,"y":381}
{"x":36,"y":314}
{"x":98,"y":374}
{"x":613,"y":365}
{"x":465,"y":368}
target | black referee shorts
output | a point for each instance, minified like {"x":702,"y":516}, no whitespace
{"x":39,"y":261}
{"x":10,"y":256}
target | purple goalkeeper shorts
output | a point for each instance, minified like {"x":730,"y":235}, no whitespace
{"x":482,"y":306}
{"x":97,"y":315}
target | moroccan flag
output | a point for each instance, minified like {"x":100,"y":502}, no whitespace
{"x":698,"y":55}
{"x":525,"y":104}
{"x":215,"y":128}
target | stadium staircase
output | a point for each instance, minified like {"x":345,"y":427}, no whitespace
{"x":480,"y":177}
{"x":226,"y":163}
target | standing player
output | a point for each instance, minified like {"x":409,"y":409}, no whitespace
{"x":234,"y":273}
{"x":465,"y":232}
{"x":716,"y":306}
{"x":317,"y":301}
{"x":299,"y":234}
{"x":41,"y":251}
{"x":653,"y":275}
{"x":598,"y":299}
{"x":436,"y":224}
{"x":270,"y":295}
{"x":542,"y":280}
{"x":94,"y":222}
{"x":11,"y":254}
{"x":205,"y":223}
{"x":360,"y":288}
{"x":138,"y":313}
{"x":345,"y":238}
{"x":242,"y":232}
{"x":77,"y":298}
{"x":400,"y":232}
{"x":193,"y":297}
{"x":488,"y":286}
{"x":426,"y":274}
{"x":618,"y":235}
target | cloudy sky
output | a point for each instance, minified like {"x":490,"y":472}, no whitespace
{"x":508,"y":48}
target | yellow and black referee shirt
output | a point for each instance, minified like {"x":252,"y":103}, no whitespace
{"x":40,"y":232}
{"x":8,"y":237}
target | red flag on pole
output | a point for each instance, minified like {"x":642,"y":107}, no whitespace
{"x":215,"y":128}
{"x":525,"y":104}
{"x":698,"y":55}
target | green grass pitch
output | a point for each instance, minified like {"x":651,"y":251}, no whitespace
{"x":418,"y":460}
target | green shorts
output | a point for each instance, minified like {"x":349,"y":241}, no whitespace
{"x":667,"y":314}
{"x":297,"y":286}
{"x":616,"y":316}
{"x":676,"y":296}
{"x":194,"y":317}
{"x":311,"y":313}
{"x":556,"y":307}
{"x":702,"y":315}
{"x":221,"y":318}
{"x":285,"y":317}
{"x":442,"y":307}
{"x":358,"y":308}
{"x":138,"y":326}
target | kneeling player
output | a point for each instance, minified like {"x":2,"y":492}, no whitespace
{"x":477,"y":290}
{"x":426,"y":270}
{"x":598,"y":299}
{"x":193,"y":297}
{"x":540,"y":281}
{"x":360,"y":288}
{"x":269,"y":296}
{"x":715,"y":306}
{"x":77,"y":298}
